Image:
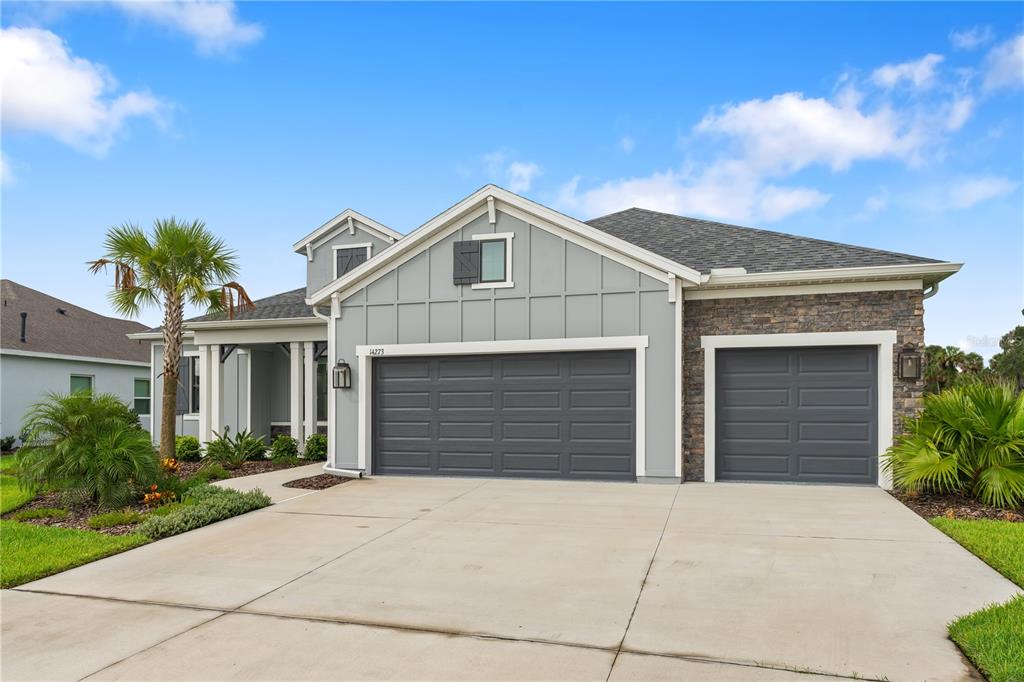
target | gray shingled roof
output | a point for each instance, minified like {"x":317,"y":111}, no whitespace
{"x":289,"y":304}
{"x":56,"y":326}
{"x":702,"y":244}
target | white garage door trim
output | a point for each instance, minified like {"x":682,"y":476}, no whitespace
{"x":364,"y":376}
{"x":883,"y":340}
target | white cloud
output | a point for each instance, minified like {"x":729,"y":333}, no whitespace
{"x":516,"y":175}
{"x":1004,"y":65}
{"x":6,"y":174}
{"x":520,"y":175}
{"x":213,"y":24}
{"x":960,"y":110}
{"x":789,"y":132}
{"x":919,"y":73}
{"x":970,"y":38}
{"x":47,"y":90}
{"x":627,"y":144}
{"x":873,"y":205}
{"x":971,"y":191}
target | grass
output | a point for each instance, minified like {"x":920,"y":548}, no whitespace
{"x":31,"y":552}
{"x":41,"y":513}
{"x":114,"y":518}
{"x":1000,"y":544}
{"x":11,"y":494}
{"x":992,"y":638}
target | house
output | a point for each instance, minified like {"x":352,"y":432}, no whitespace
{"x":502,"y":338}
{"x":51,"y":346}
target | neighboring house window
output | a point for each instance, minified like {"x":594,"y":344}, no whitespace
{"x":142,"y":396}
{"x":495,"y":260}
{"x":349,"y":257}
{"x":80,"y":382}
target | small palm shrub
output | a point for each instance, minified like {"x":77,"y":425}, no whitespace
{"x":201,"y":506}
{"x":187,"y":449}
{"x":316,"y":447}
{"x":89,"y":446}
{"x":284,"y":447}
{"x":233,"y":452}
{"x":968,"y":440}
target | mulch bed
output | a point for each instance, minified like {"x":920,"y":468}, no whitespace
{"x":930,"y":505}
{"x":78,"y":515}
{"x":188,"y":469}
{"x":318,"y":482}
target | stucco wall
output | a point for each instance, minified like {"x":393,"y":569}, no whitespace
{"x":871,"y":311}
{"x":26,"y":380}
{"x":561,"y":290}
{"x":320,"y":270}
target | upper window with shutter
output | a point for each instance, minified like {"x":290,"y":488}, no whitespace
{"x":349,"y":256}
{"x":485,"y":262}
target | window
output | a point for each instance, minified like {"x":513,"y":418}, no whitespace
{"x":141,"y":396}
{"x":80,"y":382}
{"x":321,"y":389}
{"x":495,"y":260}
{"x":350,"y":256}
{"x":193,"y":383}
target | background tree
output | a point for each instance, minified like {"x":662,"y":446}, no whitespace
{"x":179,"y":263}
{"x":945,"y":366}
{"x":1009,"y":364}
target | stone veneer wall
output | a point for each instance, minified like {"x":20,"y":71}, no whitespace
{"x":861,"y":311}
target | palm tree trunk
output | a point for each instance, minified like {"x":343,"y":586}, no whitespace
{"x":173,"y":314}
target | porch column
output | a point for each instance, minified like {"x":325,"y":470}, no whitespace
{"x":216,"y":392}
{"x":204,"y":394}
{"x":295,"y":390}
{"x":309,"y":389}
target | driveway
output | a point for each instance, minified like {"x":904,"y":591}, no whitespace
{"x":402,"y":578}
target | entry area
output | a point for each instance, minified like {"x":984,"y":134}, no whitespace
{"x":806,"y":415}
{"x":568,"y":415}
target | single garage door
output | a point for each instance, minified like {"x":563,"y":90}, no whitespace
{"x":541,"y":415}
{"x":797,"y":414}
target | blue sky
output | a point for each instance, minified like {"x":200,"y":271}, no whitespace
{"x":894,"y":126}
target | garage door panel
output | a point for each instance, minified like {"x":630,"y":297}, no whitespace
{"x":569,"y":415}
{"x":405,"y":370}
{"x":817,"y":422}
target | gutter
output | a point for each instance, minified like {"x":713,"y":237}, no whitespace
{"x":939,"y":271}
{"x":344,"y":473}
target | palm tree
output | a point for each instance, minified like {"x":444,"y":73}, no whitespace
{"x":180,"y":263}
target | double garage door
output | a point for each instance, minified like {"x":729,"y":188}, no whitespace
{"x":797,"y":414}
{"x":546,"y":415}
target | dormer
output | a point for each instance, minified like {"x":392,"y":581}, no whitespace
{"x":341,"y":244}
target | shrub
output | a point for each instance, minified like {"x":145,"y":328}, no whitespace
{"x":284,"y":446}
{"x":88,"y":445}
{"x":969,"y":440}
{"x":40,"y":513}
{"x":115,"y":518}
{"x":233,"y":452}
{"x":187,"y":449}
{"x":7,"y":443}
{"x":203,"y":505}
{"x":211,"y":472}
{"x":316,"y":447}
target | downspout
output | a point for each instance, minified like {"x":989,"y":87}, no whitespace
{"x":931,"y":291}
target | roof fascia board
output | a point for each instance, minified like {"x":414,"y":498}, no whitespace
{"x":153,"y":335}
{"x":336,"y":224}
{"x":929,"y":272}
{"x":476,"y":203}
{"x":254,"y":324}
{"x":71,"y":358}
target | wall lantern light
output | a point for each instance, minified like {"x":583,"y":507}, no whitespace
{"x":910,"y":364}
{"x":342,"y":375}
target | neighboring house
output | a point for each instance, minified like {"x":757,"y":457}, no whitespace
{"x":503,"y":338}
{"x":51,"y":346}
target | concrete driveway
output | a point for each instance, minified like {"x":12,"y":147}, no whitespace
{"x":401,"y":578}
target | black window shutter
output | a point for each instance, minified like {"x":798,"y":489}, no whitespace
{"x":349,"y":259}
{"x":184,"y":374}
{"x":466,"y":262}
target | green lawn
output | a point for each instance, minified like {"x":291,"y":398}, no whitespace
{"x":992,"y":638}
{"x":30,"y":551}
{"x":11,"y":495}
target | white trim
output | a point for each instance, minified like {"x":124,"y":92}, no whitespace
{"x":152,"y":388}
{"x":295,"y":390}
{"x":332,"y":397}
{"x":476,"y":203}
{"x":803,"y":289}
{"x":262,"y":322}
{"x":883,"y":340}
{"x":340,"y":247}
{"x":938,"y":271}
{"x":341,"y":222}
{"x":248,"y":387}
{"x":204,"y":394}
{"x":73,"y":358}
{"x":507,"y":237}
{"x":364,"y":381}
{"x":216,"y":394}
{"x":308,"y":391}
{"x":679,"y":312}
